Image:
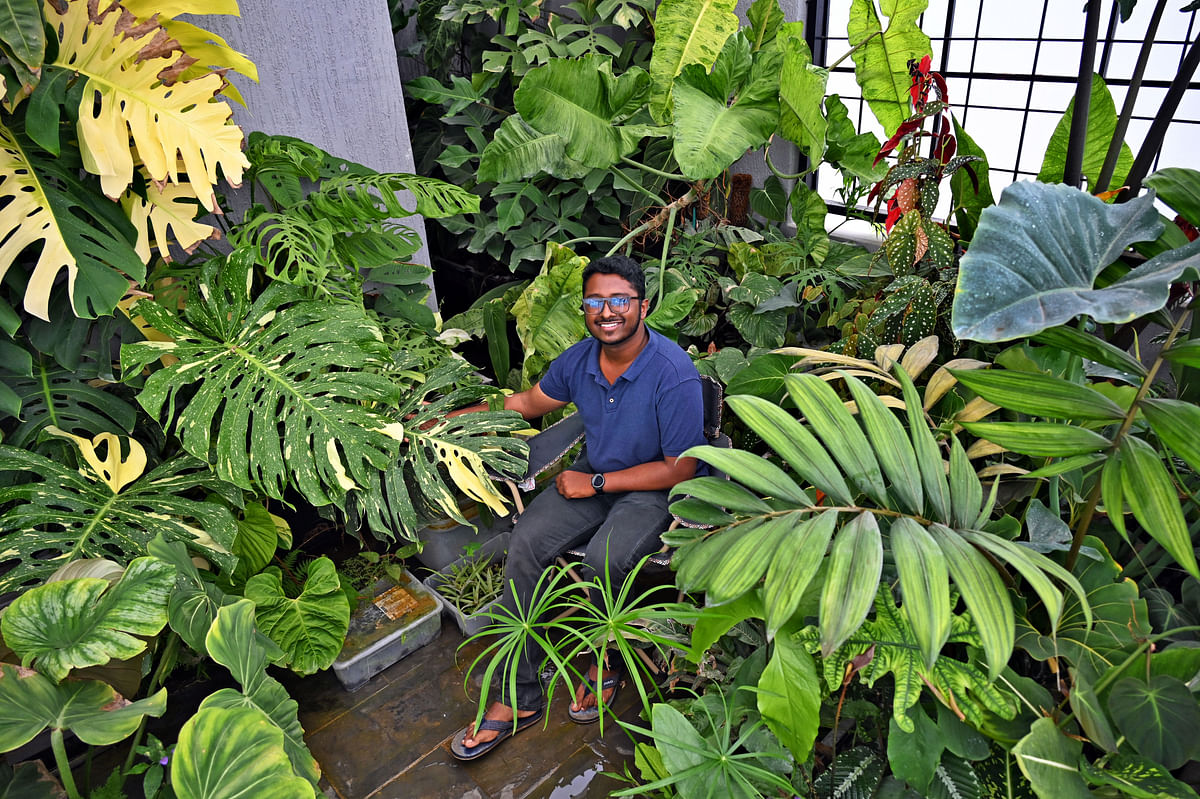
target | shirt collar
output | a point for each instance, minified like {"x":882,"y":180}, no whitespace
{"x":635,"y":368}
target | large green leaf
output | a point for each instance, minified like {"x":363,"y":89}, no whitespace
{"x":685,"y":32}
{"x":881,"y":65}
{"x":1050,"y":760}
{"x":54,"y":396}
{"x":1036,"y":256}
{"x":21,"y":29}
{"x":64,"y":514}
{"x":855,"y":564}
{"x":801,"y":91}
{"x":582,"y":102}
{"x":88,"y":622}
{"x":518,"y":152}
{"x":547,"y":312}
{"x":31,"y":702}
{"x":280,"y":388}
{"x":1101,"y":125}
{"x":1159,"y":717}
{"x":1179,"y":188}
{"x":29,"y":780}
{"x":310,"y":628}
{"x":193,"y":604}
{"x":971,"y":186}
{"x":789,"y":697}
{"x":721,"y":114}
{"x":227,"y":753}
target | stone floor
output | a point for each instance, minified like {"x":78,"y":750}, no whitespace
{"x":390,"y":739}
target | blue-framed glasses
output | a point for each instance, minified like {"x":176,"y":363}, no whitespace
{"x":618,"y":304}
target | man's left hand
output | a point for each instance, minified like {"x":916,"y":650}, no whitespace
{"x":574,"y":485}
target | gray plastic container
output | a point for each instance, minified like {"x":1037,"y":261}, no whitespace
{"x":493,"y":552}
{"x":391,"y":623}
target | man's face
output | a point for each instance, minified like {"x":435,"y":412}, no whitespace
{"x":609,"y":326}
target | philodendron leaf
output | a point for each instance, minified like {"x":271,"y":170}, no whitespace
{"x":801,"y":90}
{"x":310,"y":628}
{"x":1138,"y":777}
{"x":518,"y":152}
{"x":1101,"y":125}
{"x":193,"y":604}
{"x":1158,"y":717}
{"x":31,"y":702}
{"x":881,"y":63}
{"x":685,"y":32}
{"x":1036,"y":255}
{"x":226,"y":753}
{"x":1050,"y":760}
{"x":547,"y":312}
{"x":29,"y":780}
{"x":88,"y":622}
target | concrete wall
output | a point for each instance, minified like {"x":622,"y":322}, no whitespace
{"x":327,"y":74}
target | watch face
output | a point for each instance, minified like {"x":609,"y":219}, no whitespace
{"x":597,"y":481}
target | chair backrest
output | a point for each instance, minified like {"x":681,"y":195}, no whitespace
{"x":714,"y":403}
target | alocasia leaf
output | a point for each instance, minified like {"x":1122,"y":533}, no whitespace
{"x":1101,"y":125}
{"x":685,"y":32}
{"x":310,"y":628}
{"x":86,"y":621}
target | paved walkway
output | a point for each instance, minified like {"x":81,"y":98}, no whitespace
{"x":390,"y":738}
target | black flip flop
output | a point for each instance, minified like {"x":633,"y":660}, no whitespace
{"x":504,"y":728}
{"x":590,"y":715}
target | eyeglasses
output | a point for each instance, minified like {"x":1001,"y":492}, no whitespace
{"x":618,"y":304}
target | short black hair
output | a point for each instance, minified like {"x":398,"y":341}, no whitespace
{"x":621,"y":266}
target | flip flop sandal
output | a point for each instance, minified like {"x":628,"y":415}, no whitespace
{"x":504,"y":728}
{"x":589,"y":715}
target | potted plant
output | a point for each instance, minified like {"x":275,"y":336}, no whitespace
{"x":471,"y":585}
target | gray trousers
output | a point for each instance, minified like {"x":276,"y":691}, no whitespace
{"x":623,"y":528}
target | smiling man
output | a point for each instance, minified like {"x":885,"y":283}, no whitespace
{"x":639,"y":396}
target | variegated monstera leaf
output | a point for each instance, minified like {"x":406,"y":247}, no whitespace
{"x":110,"y":508}
{"x":275,"y":392}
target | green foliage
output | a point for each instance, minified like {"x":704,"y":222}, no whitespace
{"x":1101,"y":126}
{"x":472,"y":585}
{"x":309,"y":628}
{"x":881,"y":60}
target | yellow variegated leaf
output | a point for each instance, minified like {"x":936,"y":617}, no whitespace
{"x":209,"y":50}
{"x":468,"y":472}
{"x":171,"y":216}
{"x":144,"y":9}
{"x":124,"y":97}
{"x":112,"y":470}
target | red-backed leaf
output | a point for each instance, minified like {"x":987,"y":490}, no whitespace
{"x":893,"y":216}
{"x":905,"y":129}
{"x":940,"y":83}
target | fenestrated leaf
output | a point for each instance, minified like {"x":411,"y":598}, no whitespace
{"x":1039,"y":395}
{"x":1138,"y":777}
{"x":881,"y":65}
{"x":925,"y":583}
{"x":1050,"y":761}
{"x":291,"y":377}
{"x":54,"y":396}
{"x":225,"y":753}
{"x":685,"y":32}
{"x":794,"y":443}
{"x":801,"y":91}
{"x":582,"y":102}
{"x":1101,"y":126}
{"x":1158,"y":717}
{"x":1043,"y":439}
{"x":310,"y":628}
{"x":1154,"y":500}
{"x":1175,"y":423}
{"x":855,"y":564}
{"x":72,"y":515}
{"x":710,"y":131}
{"x":518,"y":152}
{"x":1036,"y":255}
{"x":31,"y":702}
{"x":840,"y":433}
{"x":88,"y":622}
{"x":984,"y":593}
{"x":891,"y":445}
{"x":797,"y":559}
{"x":789,"y":696}
{"x":1095,"y":349}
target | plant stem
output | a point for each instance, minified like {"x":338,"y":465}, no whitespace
{"x":1089,"y":510}
{"x":776,"y":171}
{"x":582,"y":239}
{"x":64,"y":765}
{"x":651,"y":170}
{"x":662,"y":265}
{"x":165,"y":663}
{"x":851,"y":51}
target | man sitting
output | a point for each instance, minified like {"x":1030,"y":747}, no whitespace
{"x":640,"y":399}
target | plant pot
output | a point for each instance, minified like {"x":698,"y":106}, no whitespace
{"x":443,"y":541}
{"x":391,"y":623}
{"x":492,"y":552}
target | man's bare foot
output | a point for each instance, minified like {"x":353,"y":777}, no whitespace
{"x":498,"y":712}
{"x":585,"y":695}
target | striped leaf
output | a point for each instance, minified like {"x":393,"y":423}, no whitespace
{"x":840,"y":433}
{"x":795,"y":562}
{"x":1176,"y":424}
{"x":925,"y":582}
{"x":855,"y":564}
{"x":794,"y":443}
{"x":1034,"y":567}
{"x":966,"y":493}
{"x":697,"y":564}
{"x":985,"y":595}
{"x":1039,"y":395}
{"x":1042,"y":439}
{"x":1154,"y":501}
{"x":891,"y":445}
{"x":746,"y":560}
{"x":1186,"y":352}
{"x":1112,"y":490}
{"x":722,"y":493}
{"x":751,"y":470}
{"x":929,"y":457}
{"x":698,"y":511}
{"x":1090,"y":347}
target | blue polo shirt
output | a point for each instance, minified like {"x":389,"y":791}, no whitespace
{"x":654,"y":409}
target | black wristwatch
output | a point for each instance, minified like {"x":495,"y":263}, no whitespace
{"x":598,"y":482}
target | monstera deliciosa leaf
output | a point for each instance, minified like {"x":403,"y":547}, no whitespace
{"x":283,"y":387}
{"x":108,"y":510}
{"x":877,"y":473}
{"x":1036,"y":254}
{"x":881,"y":62}
{"x":686,"y":32}
{"x":711,"y":129}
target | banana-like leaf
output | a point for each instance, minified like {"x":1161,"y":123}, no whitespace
{"x":234,"y":642}
{"x":310,"y":628}
{"x":711,"y":131}
{"x":547,"y":312}
{"x":583,"y":102}
{"x":72,"y":514}
{"x":31,"y":702}
{"x":84,"y":622}
{"x":1039,"y":395}
{"x":801,"y":91}
{"x":855,"y":565}
{"x":80,"y":232}
{"x":1036,"y":255}
{"x":881,"y":64}
{"x":225,"y":753}
{"x":518,"y":152}
{"x":1101,"y":125}
{"x":925,"y":580}
{"x":291,"y":378}
{"x":685,"y":32}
